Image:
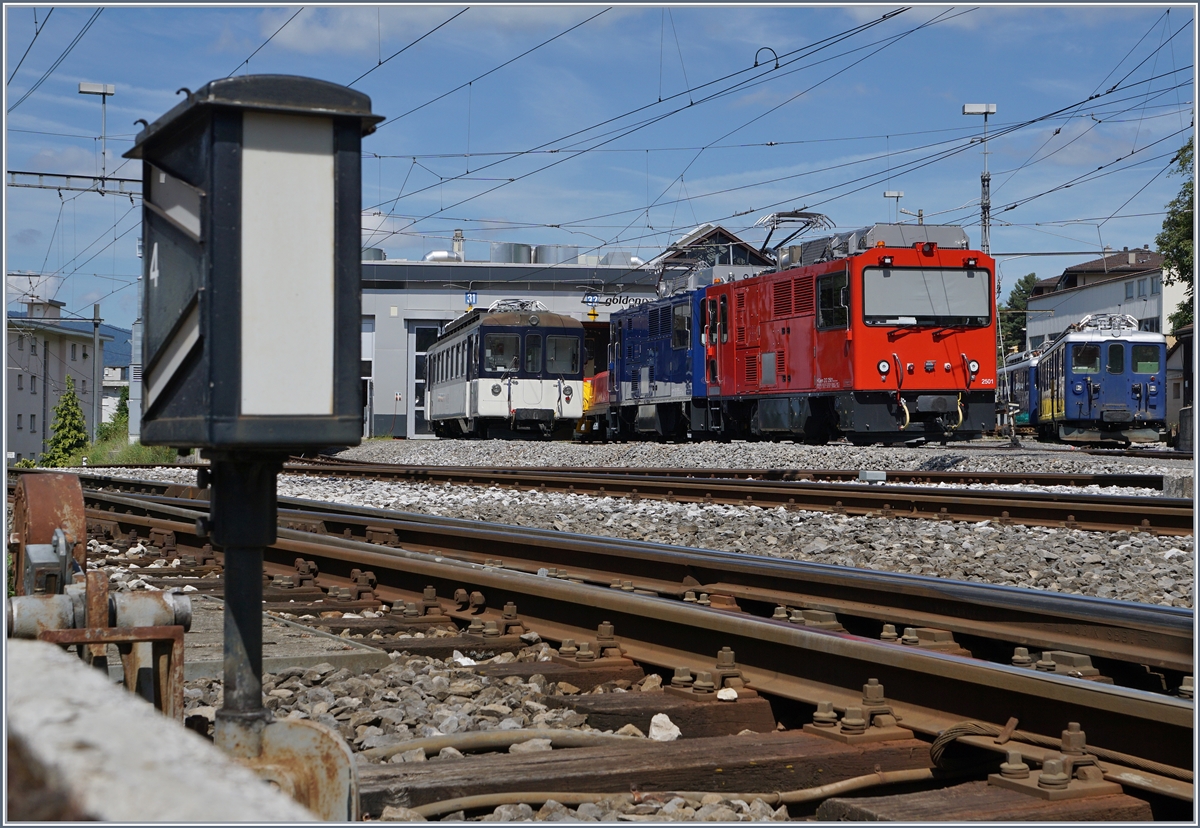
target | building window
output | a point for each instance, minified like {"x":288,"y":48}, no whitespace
{"x":33,"y":422}
{"x":73,"y":347}
{"x":1153,"y":324}
{"x":1155,"y":285}
{"x":33,"y":347}
{"x":1174,"y":396}
{"x":1129,"y":290}
{"x":32,"y":383}
{"x":1036,"y":341}
{"x":83,"y":386}
{"x":20,"y":343}
{"x":19,"y":416}
{"x":20,"y":382}
{"x":1141,"y":288}
{"x":85,"y":352}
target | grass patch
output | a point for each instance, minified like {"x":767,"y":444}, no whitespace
{"x":118,"y":449}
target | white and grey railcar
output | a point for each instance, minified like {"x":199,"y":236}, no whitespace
{"x":514,"y":367}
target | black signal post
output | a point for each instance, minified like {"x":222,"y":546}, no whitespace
{"x":252,"y":301}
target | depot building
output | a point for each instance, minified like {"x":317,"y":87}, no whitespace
{"x":405,"y":303}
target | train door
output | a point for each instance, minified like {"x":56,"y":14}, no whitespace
{"x":830,"y":348}
{"x":1117,"y":393}
{"x":421,"y":335}
{"x":1147,"y":366}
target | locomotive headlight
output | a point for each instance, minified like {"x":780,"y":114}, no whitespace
{"x":1078,"y":388}
{"x":973,"y":365}
{"x":884,"y":366}
{"x":496,"y":390}
{"x":568,"y":391}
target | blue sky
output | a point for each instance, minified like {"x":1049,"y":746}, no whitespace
{"x":632,"y":124}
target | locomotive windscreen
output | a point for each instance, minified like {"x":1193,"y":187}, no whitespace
{"x":926,"y":296}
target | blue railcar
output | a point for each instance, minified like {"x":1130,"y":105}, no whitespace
{"x":656,"y":367}
{"x":1103,"y":381}
{"x":1017,"y":391}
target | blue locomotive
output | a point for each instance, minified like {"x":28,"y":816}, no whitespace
{"x":1103,"y":381}
{"x":1017,"y":391}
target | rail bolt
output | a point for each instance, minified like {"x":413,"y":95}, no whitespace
{"x":605,"y":630}
{"x":726,"y":659}
{"x":796,"y":617}
{"x":1053,"y":776}
{"x":889,"y":633}
{"x":585,"y":652}
{"x":703,"y":600}
{"x":1014,"y":767}
{"x":616,"y":584}
{"x":910,"y":636}
{"x":688,"y":597}
{"x":825,"y":716}
{"x":1021,"y":657}
{"x":510,"y":611}
{"x":568,"y":648}
{"x":780,"y":614}
{"x":461,"y":596}
{"x":704,"y":682}
{"x":475,"y":627}
{"x":478,"y":602}
{"x":853,"y":721}
{"x":552,"y":572}
{"x":1045,"y":664}
{"x":1188,"y":688}
{"x":1074,"y":743}
{"x":627,"y":586}
{"x":430,"y":593}
{"x":411,"y":610}
{"x":873,"y":693}
{"x":491,"y":629}
{"x":682,"y":677}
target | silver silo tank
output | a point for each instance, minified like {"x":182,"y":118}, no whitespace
{"x":556,"y":254}
{"x":374,"y":254}
{"x":511,"y":253}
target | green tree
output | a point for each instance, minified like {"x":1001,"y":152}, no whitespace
{"x":119,"y":424}
{"x":70,"y":429}
{"x":1175,"y":240}
{"x":1012,"y":313}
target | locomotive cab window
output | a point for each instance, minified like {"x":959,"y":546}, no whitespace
{"x":500,"y":352}
{"x":533,"y":353}
{"x":724,"y":319}
{"x":1116,"y":358}
{"x":1145,"y":359}
{"x":926,"y":296}
{"x":562,"y":355}
{"x":1085,"y":359}
{"x":681,"y":326}
{"x":831,"y":301}
{"x":711,"y":322}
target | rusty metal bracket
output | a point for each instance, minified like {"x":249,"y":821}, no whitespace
{"x":43,"y":503}
{"x":167,"y":658}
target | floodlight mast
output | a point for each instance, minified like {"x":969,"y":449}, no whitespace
{"x":985,"y":181}
{"x":104,"y":90}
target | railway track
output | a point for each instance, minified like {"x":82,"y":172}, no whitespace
{"x":796,"y":663}
{"x":1168,"y":516}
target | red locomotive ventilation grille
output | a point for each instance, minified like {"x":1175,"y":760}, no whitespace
{"x":741,"y":335}
{"x":740,"y":298}
{"x":751,"y":370}
{"x":782,"y":299}
{"x":803,"y":292}
{"x":780,"y":365}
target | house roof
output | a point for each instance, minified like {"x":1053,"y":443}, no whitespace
{"x":118,"y":348}
{"x":1118,"y":263}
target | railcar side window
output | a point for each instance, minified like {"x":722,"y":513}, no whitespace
{"x":562,"y":355}
{"x":1116,"y":358}
{"x":681,"y":326}
{"x":1085,"y":359}
{"x":711,"y":322}
{"x":1145,"y":359}
{"x":724,"y":319}
{"x":500,"y":352}
{"x":533,"y":353}
{"x":831,"y":313}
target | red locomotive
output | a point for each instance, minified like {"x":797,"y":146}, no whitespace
{"x":885,"y":334}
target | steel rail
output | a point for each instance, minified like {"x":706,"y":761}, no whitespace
{"x":929,"y":691}
{"x":992,"y":616}
{"x":1167,"y":516}
{"x":433,"y":473}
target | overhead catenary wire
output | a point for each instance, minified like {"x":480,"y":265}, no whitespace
{"x":406,"y":48}
{"x":37,"y":30}
{"x":70,"y":46}
{"x":268,"y":40}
